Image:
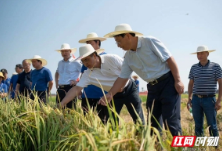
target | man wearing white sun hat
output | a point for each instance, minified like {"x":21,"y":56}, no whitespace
{"x":152,"y":61}
{"x":40,"y":78}
{"x":67,"y":74}
{"x":202,"y":87}
{"x":103,"y":71}
{"x":92,"y":94}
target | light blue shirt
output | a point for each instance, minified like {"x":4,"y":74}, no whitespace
{"x":68,"y":70}
{"x":148,"y":61}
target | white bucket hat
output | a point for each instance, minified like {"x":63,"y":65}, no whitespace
{"x":87,"y":49}
{"x":121,"y":29}
{"x":202,"y":48}
{"x":37,"y":57}
{"x":92,"y":36}
{"x":66,"y":46}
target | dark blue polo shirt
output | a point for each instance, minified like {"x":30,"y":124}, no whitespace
{"x":205,"y":78}
{"x":137,"y":84}
{"x":7,"y":82}
{"x":91,"y":91}
{"x":24,"y":79}
{"x":13,"y":81}
{"x":40,"y":79}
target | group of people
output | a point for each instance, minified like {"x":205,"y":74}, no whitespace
{"x":97,"y":78}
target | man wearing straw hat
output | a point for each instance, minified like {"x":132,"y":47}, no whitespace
{"x":6,"y":80}
{"x":202,"y":87}
{"x":3,"y":88}
{"x":152,"y":61}
{"x":67,"y":74}
{"x":93,"y":93}
{"x":40,"y":77}
{"x":102,"y":72}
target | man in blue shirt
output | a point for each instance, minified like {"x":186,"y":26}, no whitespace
{"x":3,"y":88}
{"x":135,"y":77}
{"x":6,"y":79}
{"x":14,"y":78}
{"x":67,"y":74}
{"x":202,"y":87}
{"x":93,"y":93}
{"x":40,"y":77}
{"x":149,"y":58}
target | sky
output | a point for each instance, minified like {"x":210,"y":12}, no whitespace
{"x":29,"y":28}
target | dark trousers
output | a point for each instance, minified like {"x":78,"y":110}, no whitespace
{"x":130,"y":97}
{"x":102,"y":110}
{"x":61,"y":93}
{"x":42,"y":96}
{"x":166,"y":102}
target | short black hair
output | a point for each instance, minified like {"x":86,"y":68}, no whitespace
{"x":99,"y":42}
{"x":122,"y":35}
{"x":19,"y":66}
{"x":4,"y":71}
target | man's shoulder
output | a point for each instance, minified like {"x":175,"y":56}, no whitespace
{"x":213,"y":64}
{"x":195,"y":65}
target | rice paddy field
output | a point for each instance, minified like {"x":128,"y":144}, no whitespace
{"x":30,"y":126}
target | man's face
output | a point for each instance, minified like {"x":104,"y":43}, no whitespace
{"x":26,"y":65}
{"x":18,"y":70}
{"x":89,"y":61}
{"x":1,"y":78}
{"x":66,"y":54}
{"x":94,"y":44}
{"x":123,"y":42}
{"x":36,"y":63}
{"x":5,"y":75}
{"x":202,"y":56}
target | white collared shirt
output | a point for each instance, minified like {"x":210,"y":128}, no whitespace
{"x":148,"y":61}
{"x":106,"y":75}
{"x":68,"y":70}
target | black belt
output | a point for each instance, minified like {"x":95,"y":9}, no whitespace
{"x":160,"y":79}
{"x":205,"y":96}
{"x":64,"y":86}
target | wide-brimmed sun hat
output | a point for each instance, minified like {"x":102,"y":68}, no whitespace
{"x":1,"y":75}
{"x":135,"y":76}
{"x":202,"y":49}
{"x":37,"y":57}
{"x":66,"y":46}
{"x":87,"y":49}
{"x":92,"y":36}
{"x":122,"y":29}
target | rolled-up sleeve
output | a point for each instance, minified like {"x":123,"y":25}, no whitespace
{"x":159,"y":49}
{"x":191,"y":74}
{"x":84,"y":81}
{"x":126,"y":71}
{"x":218,"y":72}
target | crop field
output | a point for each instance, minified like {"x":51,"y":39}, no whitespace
{"x":30,"y":126}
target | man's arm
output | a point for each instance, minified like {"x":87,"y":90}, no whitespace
{"x":70,"y":95}
{"x":50,"y":85}
{"x":190,"y":93}
{"x":57,"y":79}
{"x":17,"y":89}
{"x":118,"y":86}
{"x":174,"y":69}
{"x":218,"y":103}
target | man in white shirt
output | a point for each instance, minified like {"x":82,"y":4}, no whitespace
{"x":103,"y":71}
{"x":152,"y":61}
{"x":67,"y":74}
